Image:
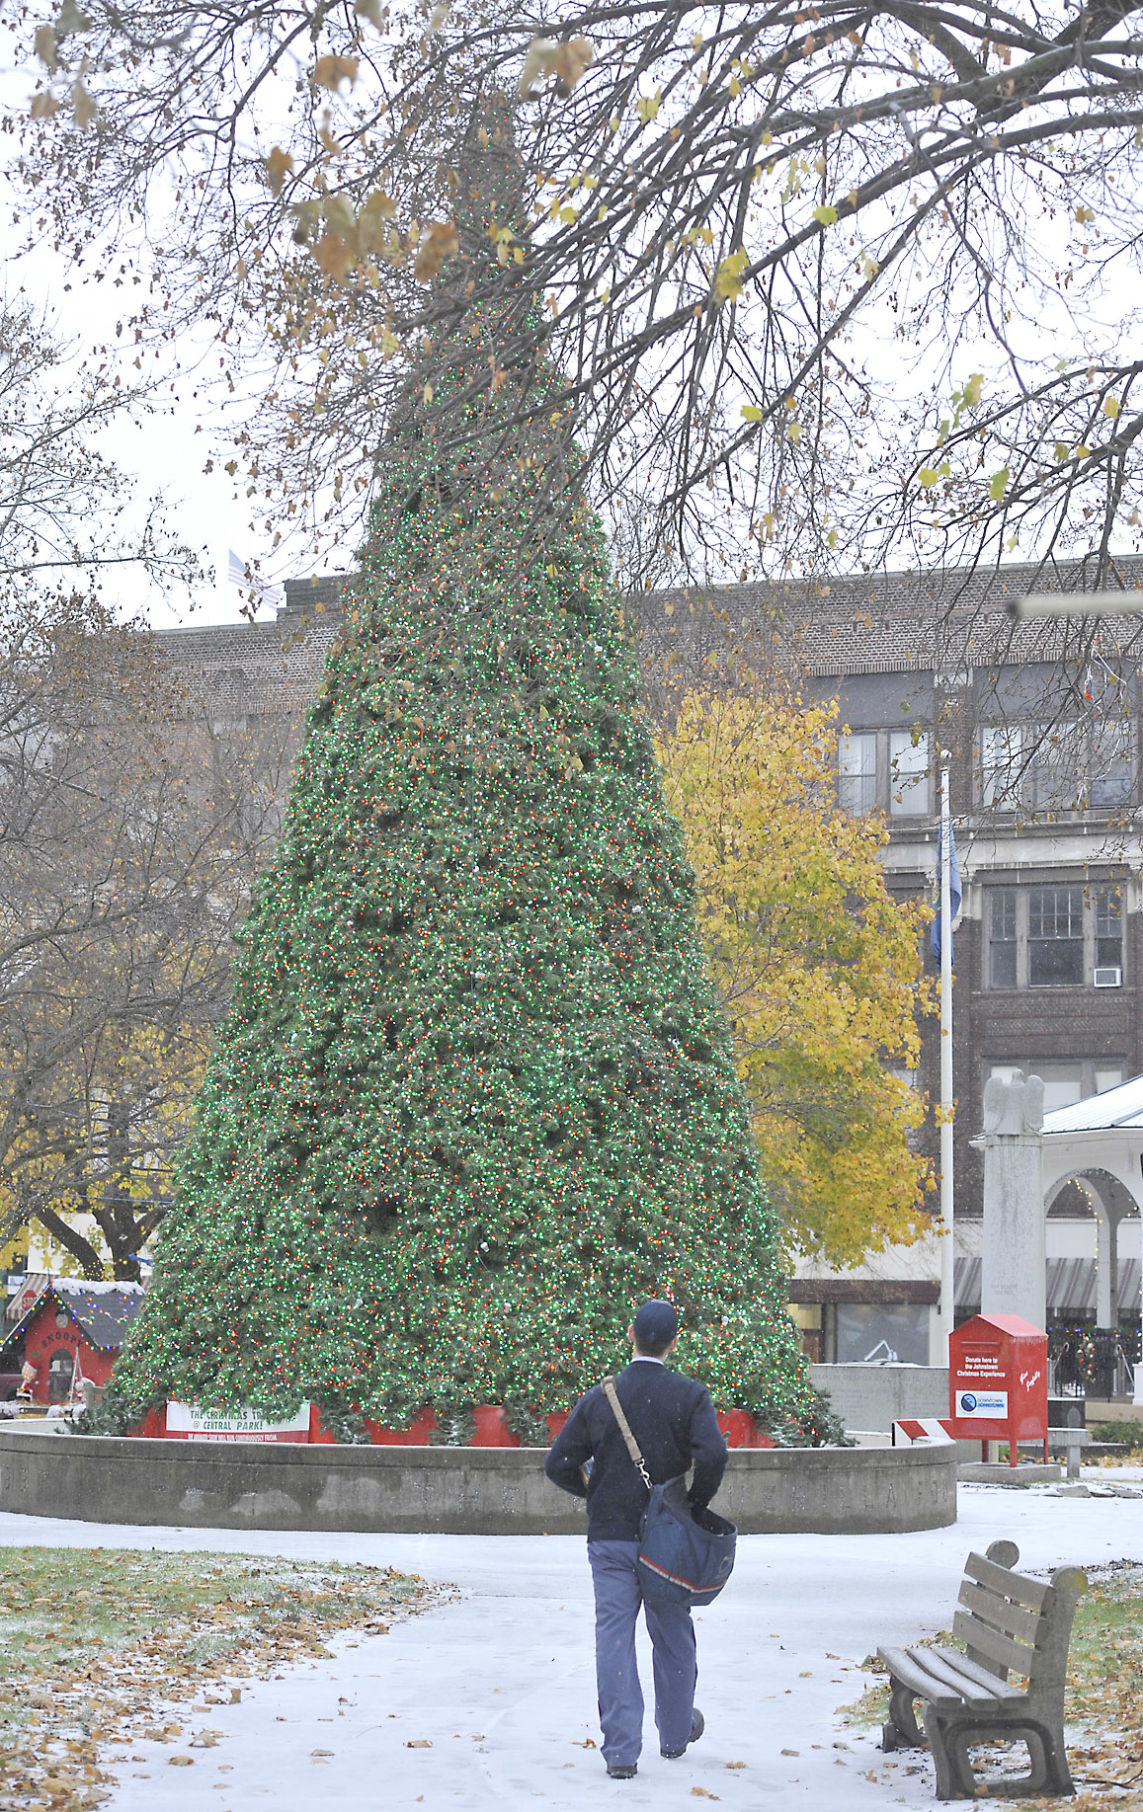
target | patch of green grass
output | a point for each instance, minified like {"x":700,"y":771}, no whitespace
{"x":1105,"y":1660}
{"x":62,"y":1607}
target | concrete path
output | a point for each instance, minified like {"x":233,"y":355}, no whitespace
{"x":489,"y":1702}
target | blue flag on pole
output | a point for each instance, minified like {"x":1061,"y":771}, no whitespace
{"x":954,"y":895}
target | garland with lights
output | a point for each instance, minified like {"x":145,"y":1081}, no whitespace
{"x":474,"y":1099}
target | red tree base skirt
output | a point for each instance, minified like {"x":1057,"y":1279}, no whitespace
{"x":490,"y":1429}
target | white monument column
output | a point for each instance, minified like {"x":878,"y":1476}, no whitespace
{"x":1106,"y":1256}
{"x":1013,"y":1267}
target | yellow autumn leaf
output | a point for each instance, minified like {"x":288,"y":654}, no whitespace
{"x":825,"y":215}
{"x":928,"y":476}
{"x":83,"y":105}
{"x":727,"y":284}
{"x":278,"y":164}
{"x":337,"y":212}
{"x":647,"y":106}
{"x":751,"y":412}
{"x":1110,"y":407}
{"x":333,"y":255}
{"x":439,"y":243}
{"x":562,"y":59}
{"x":331,"y":71}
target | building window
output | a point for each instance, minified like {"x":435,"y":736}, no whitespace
{"x":908,"y":774}
{"x":890,"y":1332}
{"x":1111,"y":762}
{"x":1066,"y":1080}
{"x":857,"y":772}
{"x":1108,"y":935}
{"x":1058,"y":768}
{"x":1001,"y":767}
{"x":808,"y":1319}
{"x":1064,"y":766}
{"x":1002,"y":937}
{"x":1054,"y":936}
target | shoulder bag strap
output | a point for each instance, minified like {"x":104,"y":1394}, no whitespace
{"x":629,"y":1440}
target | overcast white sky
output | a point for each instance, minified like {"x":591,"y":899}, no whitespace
{"x":164,"y":453}
{"x":167,"y":452}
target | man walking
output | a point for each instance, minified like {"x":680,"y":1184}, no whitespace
{"x":673,"y":1421}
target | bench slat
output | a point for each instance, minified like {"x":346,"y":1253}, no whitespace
{"x":1010,"y":1618}
{"x":924,"y":1672}
{"x":917,"y":1676}
{"x":1010,"y":1585}
{"x":948,"y":1667}
{"x":979,"y":1676}
{"x":990,"y":1642}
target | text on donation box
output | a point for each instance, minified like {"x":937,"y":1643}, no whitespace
{"x":190,"y":1422}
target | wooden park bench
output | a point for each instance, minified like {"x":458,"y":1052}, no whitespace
{"x":1009,"y":1624}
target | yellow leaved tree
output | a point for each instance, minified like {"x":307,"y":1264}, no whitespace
{"x":818,"y":968}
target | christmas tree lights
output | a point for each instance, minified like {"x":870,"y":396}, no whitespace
{"x":473,"y":1100}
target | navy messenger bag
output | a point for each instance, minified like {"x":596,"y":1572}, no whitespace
{"x":686,"y":1554}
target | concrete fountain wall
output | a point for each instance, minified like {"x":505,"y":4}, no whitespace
{"x":442,"y":1490}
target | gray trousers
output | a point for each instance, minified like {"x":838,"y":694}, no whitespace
{"x":618,"y":1595}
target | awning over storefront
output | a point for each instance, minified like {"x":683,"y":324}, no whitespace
{"x":1071,"y":1285}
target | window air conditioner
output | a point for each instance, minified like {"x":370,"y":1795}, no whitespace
{"x":1108,"y":978}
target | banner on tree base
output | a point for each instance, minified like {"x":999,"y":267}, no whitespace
{"x":188,"y":1422}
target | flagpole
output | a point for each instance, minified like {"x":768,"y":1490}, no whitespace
{"x":946,"y":1312}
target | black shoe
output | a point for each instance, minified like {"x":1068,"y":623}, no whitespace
{"x":626,"y":1772}
{"x":698,"y":1725}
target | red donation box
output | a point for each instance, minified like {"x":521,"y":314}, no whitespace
{"x":998,"y":1382}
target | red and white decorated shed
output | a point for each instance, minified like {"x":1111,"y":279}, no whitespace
{"x":72,"y":1331}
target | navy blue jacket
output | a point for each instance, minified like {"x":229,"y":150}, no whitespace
{"x":672,"y":1419}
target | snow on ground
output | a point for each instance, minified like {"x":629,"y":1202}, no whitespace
{"x":488,"y":1702}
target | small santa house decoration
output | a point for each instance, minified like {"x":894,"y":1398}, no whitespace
{"x":72,"y":1332}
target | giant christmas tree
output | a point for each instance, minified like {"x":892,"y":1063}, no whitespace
{"x":473,"y":1099}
